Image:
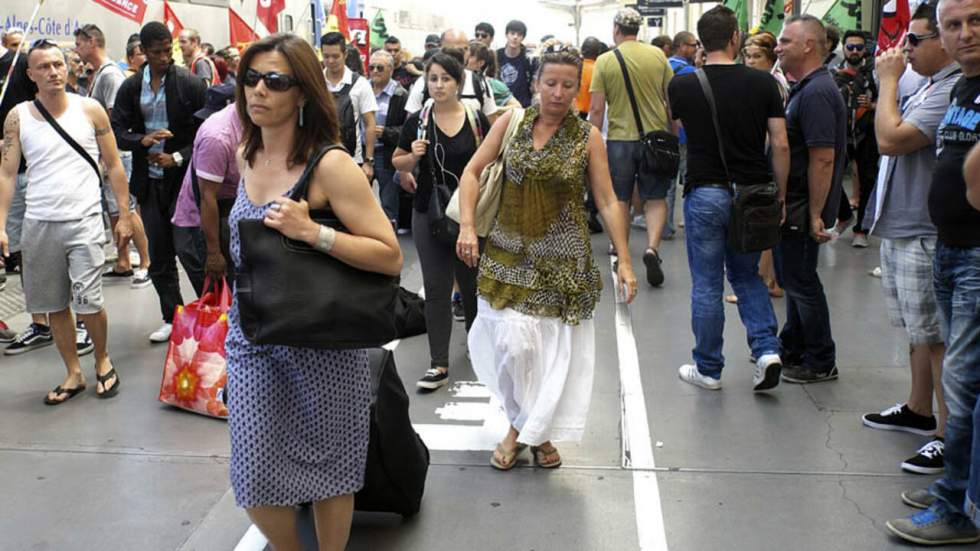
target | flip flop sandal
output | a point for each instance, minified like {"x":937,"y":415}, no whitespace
{"x":105,"y":379}
{"x":58,"y":390}
{"x":510,"y":456}
{"x":536,"y":450}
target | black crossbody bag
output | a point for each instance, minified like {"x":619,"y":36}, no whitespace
{"x":661,"y":149}
{"x":291,"y":294}
{"x":67,"y":137}
{"x":756,"y":209}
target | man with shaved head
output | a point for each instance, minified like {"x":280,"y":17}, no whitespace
{"x":476,"y":91}
{"x":816,"y":122}
{"x":951,"y":502}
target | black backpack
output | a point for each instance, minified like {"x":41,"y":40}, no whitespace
{"x":346,"y":116}
{"x":398,"y":460}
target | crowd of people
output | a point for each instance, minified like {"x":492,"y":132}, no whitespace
{"x":169,"y":158}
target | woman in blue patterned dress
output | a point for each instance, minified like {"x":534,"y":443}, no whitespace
{"x":299,"y":417}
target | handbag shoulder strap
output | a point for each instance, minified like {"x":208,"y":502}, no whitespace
{"x":709,"y":95}
{"x":303,"y":184}
{"x":71,"y":141}
{"x":629,"y":92}
{"x":516,"y":116}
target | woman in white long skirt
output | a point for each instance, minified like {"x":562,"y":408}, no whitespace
{"x":533,"y":341}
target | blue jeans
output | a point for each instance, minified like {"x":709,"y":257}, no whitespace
{"x":707,"y":211}
{"x":669,"y":229}
{"x":957,"y":279}
{"x":387,"y":188}
{"x":806,"y":339}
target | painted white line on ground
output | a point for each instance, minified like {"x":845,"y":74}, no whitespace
{"x":637,"y":445}
{"x":253,"y":540}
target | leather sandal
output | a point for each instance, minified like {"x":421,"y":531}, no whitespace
{"x":110,"y":392}
{"x":58,"y":390}
{"x":509,"y":457}
{"x":540,"y":452}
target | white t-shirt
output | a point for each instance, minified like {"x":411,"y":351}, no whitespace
{"x":489,"y":107}
{"x":362,"y":99}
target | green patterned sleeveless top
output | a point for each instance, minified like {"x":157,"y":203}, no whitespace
{"x":538,"y":256}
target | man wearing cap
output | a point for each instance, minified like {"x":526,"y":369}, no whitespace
{"x":432,"y":42}
{"x":208,"y":191}
{"x":649,"y":73}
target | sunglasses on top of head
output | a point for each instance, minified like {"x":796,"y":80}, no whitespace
{"x":915,"y":39}
{"x":275,"y":81}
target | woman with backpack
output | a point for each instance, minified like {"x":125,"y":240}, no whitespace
{"x":439,"y":140}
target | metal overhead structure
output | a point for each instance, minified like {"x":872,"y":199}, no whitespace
{"x":576,"y":8}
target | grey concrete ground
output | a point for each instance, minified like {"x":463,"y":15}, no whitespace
{"x":792,"y":469}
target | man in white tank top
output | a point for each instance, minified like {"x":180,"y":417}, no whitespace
{"x":62,"y":241}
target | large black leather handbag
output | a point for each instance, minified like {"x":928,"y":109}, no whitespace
{"x":291,"y":294}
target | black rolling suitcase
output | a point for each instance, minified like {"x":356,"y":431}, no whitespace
{"x":398,"y":460}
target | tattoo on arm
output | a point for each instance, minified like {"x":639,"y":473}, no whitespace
{"x":11,"y":132}
{"x":102,"y":131}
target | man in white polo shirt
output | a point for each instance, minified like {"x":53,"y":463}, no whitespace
{"x":62,"y":237}
{"x":354,"y":98}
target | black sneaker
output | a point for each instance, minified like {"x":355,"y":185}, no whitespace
{"x":929,"y":460}
{"x":111,"y":275}
{"x":35,"y":336}
{"x":801,"y":376}
{"x":433,"y":379}
{"x":458,"y":313}
{"x":901,"y":418}
{"x":655,"y":274}
{"x":83,"y":342}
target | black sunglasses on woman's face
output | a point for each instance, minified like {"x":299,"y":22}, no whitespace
{"x":275,"y":81}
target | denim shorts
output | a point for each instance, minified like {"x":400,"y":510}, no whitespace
{"x":627,"y":170}
{"x":108,"y":197}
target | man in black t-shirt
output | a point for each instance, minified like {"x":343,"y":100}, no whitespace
{"x":749,"y":108}
{"x":816,"y":124}
{"x":956,"y":276}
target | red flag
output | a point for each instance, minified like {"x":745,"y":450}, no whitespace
{"x":238,"y":30}
{"x":130,"y":9}
{"x":339,"y":11}
{"x":895,"y":19}
{"x":268,"y":13}
{"x":170,"y":20}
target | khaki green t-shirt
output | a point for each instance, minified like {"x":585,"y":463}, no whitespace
{"x":649,"y":73}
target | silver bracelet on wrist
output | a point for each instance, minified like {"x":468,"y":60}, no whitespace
{"x":325,"y":239}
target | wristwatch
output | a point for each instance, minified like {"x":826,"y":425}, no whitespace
{"x":368,"y":159}
{"x":178,"y":158}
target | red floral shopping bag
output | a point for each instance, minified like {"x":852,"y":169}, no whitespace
{"x":194,"y":373}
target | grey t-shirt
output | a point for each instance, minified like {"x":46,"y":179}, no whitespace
{"x":900,"y":198}
{"x":108,"y":79}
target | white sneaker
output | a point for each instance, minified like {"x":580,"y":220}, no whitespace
{"x":162,"y":334}
{"x":690,"y":374}
{"x":141,"y":278}
{"x":767,"y":371}
{"x":860,"y":241}
{"x":876,"y":272}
